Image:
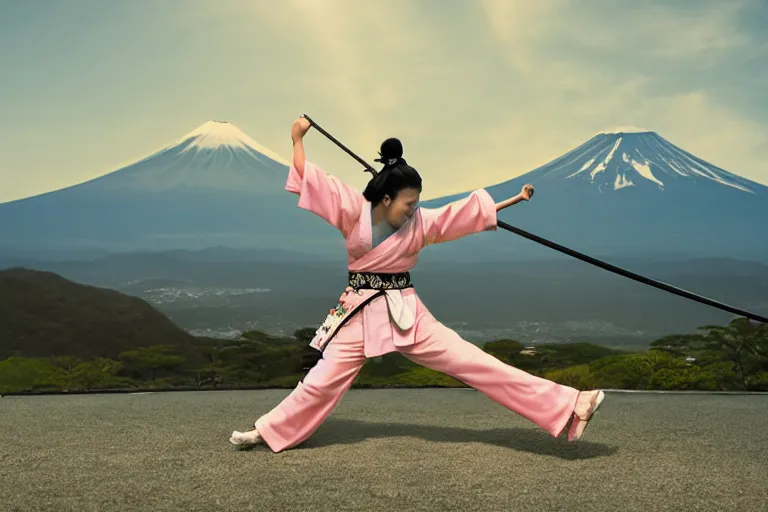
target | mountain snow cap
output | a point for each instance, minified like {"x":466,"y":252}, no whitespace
{"x":217,"y":134}
{"x":623,"y":129}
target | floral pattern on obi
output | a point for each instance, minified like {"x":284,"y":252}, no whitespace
{"x":378,"y":281}
{"x":331,"y":324}
{"x":334,"y":317}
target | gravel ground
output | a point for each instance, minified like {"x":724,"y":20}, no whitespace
{"x":382,"y":450}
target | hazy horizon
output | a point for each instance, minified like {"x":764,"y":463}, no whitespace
{"x":478,"y":92}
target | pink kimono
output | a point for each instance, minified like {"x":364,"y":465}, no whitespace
{"x":364,"y":326}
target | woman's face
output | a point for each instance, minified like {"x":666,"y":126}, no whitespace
{"x":402,"y":208}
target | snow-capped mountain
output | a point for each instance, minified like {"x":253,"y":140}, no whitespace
{"x":621,"y":192}
{"x":627,"y":192}
{"x":215,"y":186}
{"x":618,"y":160}
{"x":217,"y":155}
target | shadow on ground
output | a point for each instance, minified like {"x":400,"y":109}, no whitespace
{"x":343,"y":431}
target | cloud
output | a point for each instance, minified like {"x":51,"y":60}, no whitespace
{"x":711,"y":131}
{"x":578,"y":47}
{"x":584,"y":69}
{"x":479,"y":92}
{"x":568,"y":69}
{"x":656,"y":30}
{"x":482,"y":92}
{"x":693,"y":121}
{"x":354,"y":56}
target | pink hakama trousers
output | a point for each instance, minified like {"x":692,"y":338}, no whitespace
{"x":547,"y":404}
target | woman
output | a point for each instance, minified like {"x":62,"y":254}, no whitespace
{"x":380,"y":312}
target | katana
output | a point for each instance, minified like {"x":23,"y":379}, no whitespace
{"x":317,"y":127}
{"x":575,"y":254}
{"x":631,"y":275}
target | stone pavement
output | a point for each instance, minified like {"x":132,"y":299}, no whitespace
{"x":381,"y":450}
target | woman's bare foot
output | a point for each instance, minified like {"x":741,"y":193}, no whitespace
{"x":250,"y":437}
{"x":586,"y":406}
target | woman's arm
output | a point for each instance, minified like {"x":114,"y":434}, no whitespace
{"x":524,"y":195}
{"x":470,"y":215}
{"x":473,"y":214}
{"x":298,"y":130}
{"x":319,"y":192}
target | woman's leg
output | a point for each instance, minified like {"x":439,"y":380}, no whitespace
{"x":317,"y":395}
{"x":546,"y":403}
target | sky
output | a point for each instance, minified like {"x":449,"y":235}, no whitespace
{"x":478,"y":91}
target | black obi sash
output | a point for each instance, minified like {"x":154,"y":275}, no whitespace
{"x":379,"y":281}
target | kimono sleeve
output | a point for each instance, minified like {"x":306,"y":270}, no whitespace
{"x":473,"y":214}
{"x":326,"y":196}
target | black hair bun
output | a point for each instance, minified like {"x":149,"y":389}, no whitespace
{"x":391,"y":149}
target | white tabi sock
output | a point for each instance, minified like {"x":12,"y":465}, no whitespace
{"x":250,"y":437}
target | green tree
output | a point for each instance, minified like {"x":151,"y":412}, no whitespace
{"x":28,"y":374}
{"x":578,"y":377}
{"x":759,"y":381}
{"x":98,"y":373}
{"x":250,"y":362}
{"x":504,"y":350}
{"x":213,"y":365}
{"x":688,"y":378}
{"x":67,"y":364}
{"x":632,"y":371}
{"x":740,"y":342}
{"x":305,"y":334}
{"x":420,"y":376}
{"x":152,"y":360}
{"x":387,"y":366}
{"x":744,"y":343}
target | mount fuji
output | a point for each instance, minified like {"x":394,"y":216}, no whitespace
{"x":215,"y":186}
{"x":627,"y":192}
{"x":624,"y":192}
